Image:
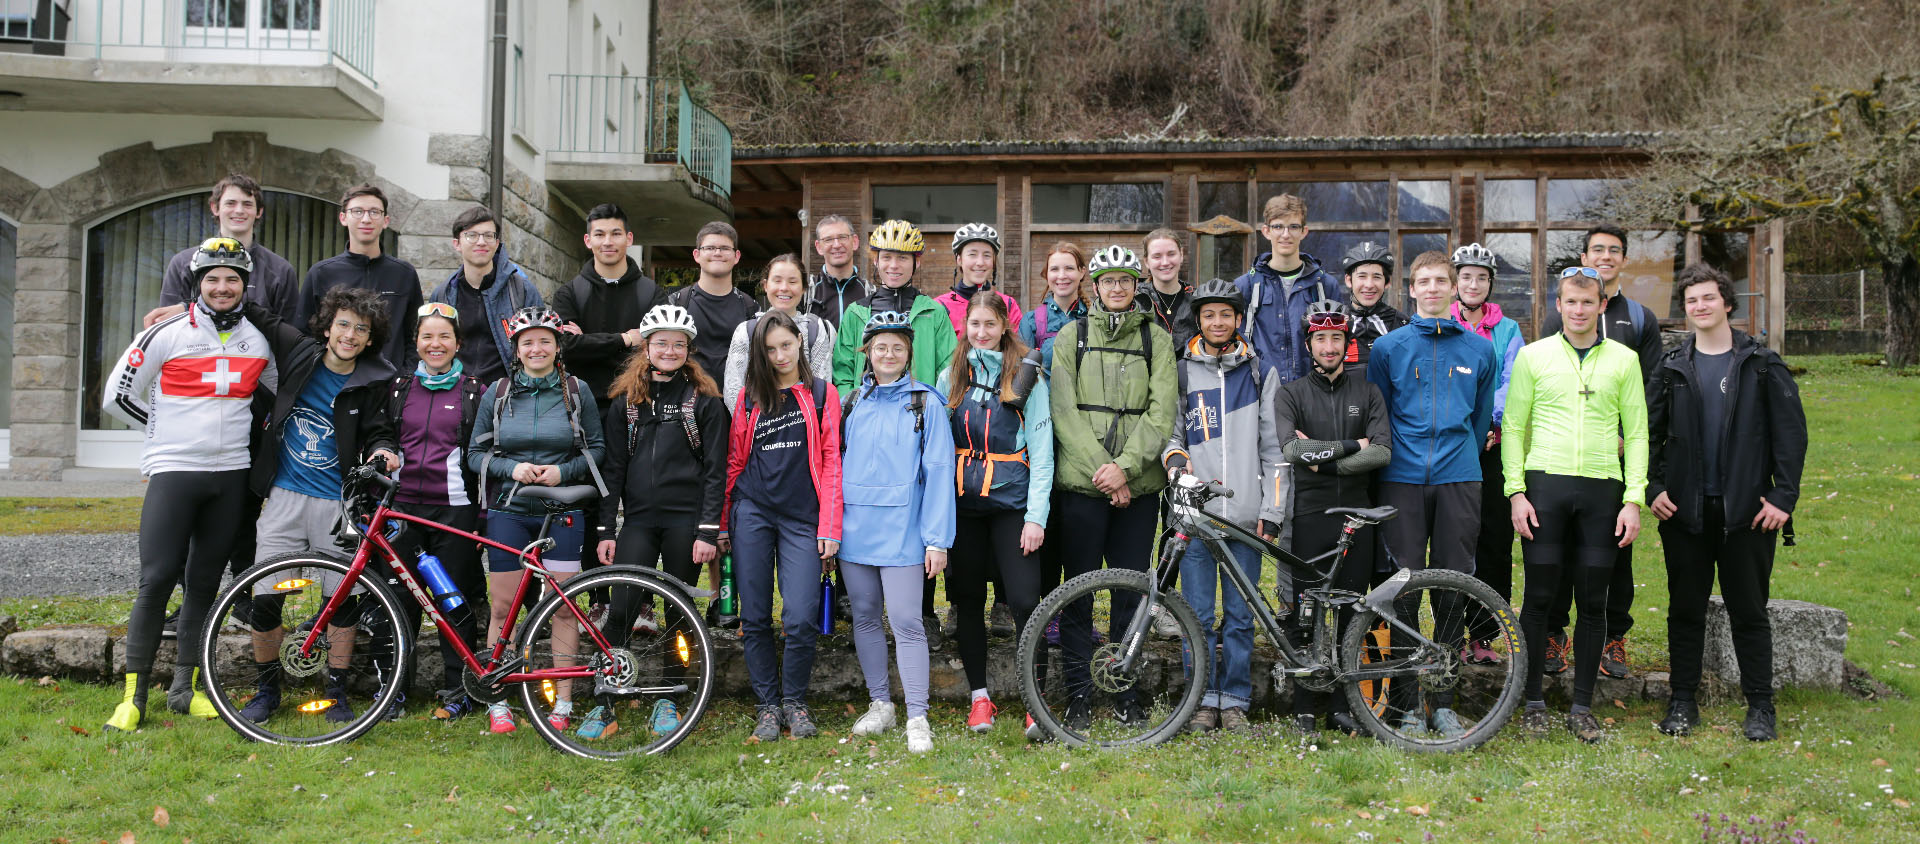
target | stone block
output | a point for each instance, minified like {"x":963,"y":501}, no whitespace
{"x":64,"y":651}
{"x":519,"y":182}
{"x":58,"y":306}
{"x":239,"y":152}
{"x":187,"y":166}
{"x":459,"y":150}
{"x":46,"y":339}
{"x":401,"y":204}
{"x":41,"y":439}
{"x":165,"y":656}
{"x":15,"y":193}
{"x":1809,"y":645}
{"x":36,"y":468}
{"x":46,"y":240}
{"x":45,"y":207}
{"x":47,"y":273}
{"x":425,"y":251}
{"x":467,"y":183}
{"x":133,"y":171}
{"x":434,"y":217}
{"x":296,"y":169}
{"x":42,"y":405}
{"x":43,"y":372}
{"x":9,"y":625}
{"x":82,"y":195}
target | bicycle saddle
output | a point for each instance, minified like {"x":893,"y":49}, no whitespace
{"x":560,"y":497}
{"x":1373,"y":515}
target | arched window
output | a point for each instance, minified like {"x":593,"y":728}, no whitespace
{"x":127,"y":256}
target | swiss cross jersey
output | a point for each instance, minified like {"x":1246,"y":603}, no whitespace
{"x":190,"y":387}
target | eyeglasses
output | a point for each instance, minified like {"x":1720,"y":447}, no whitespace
{"x":715,"y":250}
{"x":834,"y":240}
{"x":1589,"y":272}
{"x":479,"y":237}
{"x":365,"y":213}
{"x":438,"y":309}
{"x":667,"y":345}
{"x":358,"y":328}
{"x":1286,"y":228}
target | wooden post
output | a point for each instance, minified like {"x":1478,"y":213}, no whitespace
{"x":1777,"y":285}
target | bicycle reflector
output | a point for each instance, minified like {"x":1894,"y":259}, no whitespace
{"x":680,"y":646}
{"x":546,"y":691}
{"x":291,"y":585}
{"x":316,"y":706}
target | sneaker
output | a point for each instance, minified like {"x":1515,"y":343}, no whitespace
{"x":1034,"y":732}
{"x":1000,"y":622}
{"x":340,"y":712}
{"x":1164,"y":626}
{"x":170,"y":629}
{"x":1412,"y":723}
{"x":598,"y":724}
{"x":454,"y":705}
{"x":1479,"y":652}
{"x":262,"y":706}
{"x":500,"y":719}
{"x":877,"y":720}
{"x":1205,"y":720}
{"x":666,"y":717}
{"x":1305,"y":724}
{"x":597,"y":615}
{"x":980,"y":716}
{"x":1613,"y":658}
{"x":1052,"y":632}
{"x":1584,"y":727}
{"x":1536,"y":723}
{"x":644,"y":622}
{"x":561,"y":716}
{"x":1129,"y":712}
{"x":930,"y":624}
{"x":1682,"y":715}
{"x":766,"y":723}
{"x":398,"y":708}
{"x":1446,"y":722}
{"x":1559,"y":654}
{"x":799,"y":720}
{"x":1079,"y":714}
{"x":1233,"y":719}
{"x":919,"y":735}
{"x":1344,"y":722}
{"x":1759,"y":725}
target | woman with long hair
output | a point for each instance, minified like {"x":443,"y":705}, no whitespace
{"x":1065,"y":272}
{"x":785,"y":289}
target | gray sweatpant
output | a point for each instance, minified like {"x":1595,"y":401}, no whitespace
{"x":899,"y":588}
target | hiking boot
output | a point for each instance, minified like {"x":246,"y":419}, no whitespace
{"x":1613,"y":658}
{"x":1584,"y":727}
{"x":398,"y":709}
{"x":1412,"y":723}
{"x":1536,"y":723}
{"x":766,"y":726}
{"x":1343,"y":721}
{"x":799,"y":720}
{"x":1034,"y":732}
{"x":1559,"y":654}
{"x":1306,"y":724}
{"x":454,"y":705}
{"x":1000,"y":622}
{"x":666,"y":717}
{"x":1079,"y":714}
{"x":1206,"y":719}
{"x":879,"y":719}
{"x":1446,"y":722}
{"x":1759,"y":725}
{"x":1233,"y":719}
{"x":1682,"y":715}
{"x":1129,"y":712}
{"x":980,"y":716}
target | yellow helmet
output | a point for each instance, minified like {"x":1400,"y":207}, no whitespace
{"x":897,"y":236}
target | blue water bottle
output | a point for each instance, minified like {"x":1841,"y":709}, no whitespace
{"x":439,"y":584}
{"x":826,"y":604}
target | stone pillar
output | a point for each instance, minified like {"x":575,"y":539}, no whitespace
{"x":46,"y":365}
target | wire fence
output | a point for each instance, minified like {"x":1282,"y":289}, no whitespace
{"x":1855,"y":300}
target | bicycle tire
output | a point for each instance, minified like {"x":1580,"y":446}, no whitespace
{"x":682,"y":637}
{"x":1483,"y":698}
{"x":1167,"y":710}
{"x":233,"y":679}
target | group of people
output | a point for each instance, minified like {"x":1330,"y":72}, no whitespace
{"x":854,"y":427}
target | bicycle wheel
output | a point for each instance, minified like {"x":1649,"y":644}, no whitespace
{"x":1421,"y":696}
{"x":304,"y":700}
{"x":650,"y":689}
{"x":1087,"y":695}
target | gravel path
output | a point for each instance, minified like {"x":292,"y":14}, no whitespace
{"x":68,"y":564}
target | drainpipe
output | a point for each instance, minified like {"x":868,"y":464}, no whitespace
{"x":497,"y":133}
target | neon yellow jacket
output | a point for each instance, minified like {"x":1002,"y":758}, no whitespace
{"x":1552,"y":426}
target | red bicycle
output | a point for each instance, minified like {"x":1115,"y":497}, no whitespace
{"x":354,"y":632}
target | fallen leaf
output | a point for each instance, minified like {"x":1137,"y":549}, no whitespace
{"x":510,"y":809}
{"x":127,"y":837}
{"x":850,"y":710}
{"x":1364,"y":815}
{"x":1417,"y":811}
{"x":78,"y":729}
{"x":1618,"y":705}
{"x":1902,"y":803}
{"x":161,"y":818}
{"x":1607,"y":721}
{"x":46,"y":680}
{"x":452,"y":796}
{"x":1878,"y":763}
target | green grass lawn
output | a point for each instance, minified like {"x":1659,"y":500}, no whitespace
{"x":1844,"y":770}
{"x":24,"y":516}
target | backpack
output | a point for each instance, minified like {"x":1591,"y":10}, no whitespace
{"x":1080,"y":348}
{"x":570,"y":395}
{"x":684,"y":297}
{"x":686,"y":423}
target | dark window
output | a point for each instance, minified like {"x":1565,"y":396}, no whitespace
{"x":1223,"y":198}
{"x":1136,"y":204}
{"x":935,"y":204}
{"x":1340,"y":202}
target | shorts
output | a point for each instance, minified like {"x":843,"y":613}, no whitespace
{"x":292,"y":523}
{"x":569,"y":533}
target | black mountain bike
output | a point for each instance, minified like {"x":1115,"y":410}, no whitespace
{"x":1394,"y":651}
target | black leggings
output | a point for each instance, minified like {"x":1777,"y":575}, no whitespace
{"x":1573,"y":542}
{"x":986,"y":545}
{"x":667,"y":548}
{"x":187,"y":525}
{"x":1121,"y":537}
{"x":1493,"y":552}
{"x":460,"y":559}
{"x":1315,"y":534}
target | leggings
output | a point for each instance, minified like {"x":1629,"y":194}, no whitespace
{"x":1574,"y":541}
{"x":1121,"y":537}
{"x":898,"y":589}
{"x":986,"y":546}
{"x":187,"y":525}
{"x":1493,"y":549}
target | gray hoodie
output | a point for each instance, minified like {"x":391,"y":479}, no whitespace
{"x":1226,"y":432}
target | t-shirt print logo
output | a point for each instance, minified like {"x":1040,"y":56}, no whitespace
{"x":1353,"y":410}
{"x":212,"y":377}
{"x":1723,"y":385}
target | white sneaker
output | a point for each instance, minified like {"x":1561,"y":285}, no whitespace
{"x":1164,"y":625}
{"x":879,"y":719}
{"x":919,"y":735}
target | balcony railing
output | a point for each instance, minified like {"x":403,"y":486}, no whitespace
{"x":258,"y":31}
{"x":643,"y":118}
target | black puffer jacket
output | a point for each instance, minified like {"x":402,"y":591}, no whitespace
{"x":360,"y":423}
{"x":1763,"y":440}
{"x":1335,"y":415}
{"x":652,"y":471}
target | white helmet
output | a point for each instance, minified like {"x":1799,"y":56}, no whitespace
{"x":1114,"y":259}
{"x":1474,"y":255}
{"x":668,"y":318}
{"x":976,"y":231}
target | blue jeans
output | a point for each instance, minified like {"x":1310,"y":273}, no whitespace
{"x":1231,"y":683}
{"x":763,"y":542}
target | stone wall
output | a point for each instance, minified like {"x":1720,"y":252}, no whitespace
{"x":543,"y":234}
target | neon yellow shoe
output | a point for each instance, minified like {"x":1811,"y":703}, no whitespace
{"x":126,"y":716}
{"x":202,"y":707}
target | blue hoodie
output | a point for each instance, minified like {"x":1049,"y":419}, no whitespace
{"x":1438,"y":380}
{"x":1272,"y":325}
{"x":511,"y":290}
{"x":898,"y":487}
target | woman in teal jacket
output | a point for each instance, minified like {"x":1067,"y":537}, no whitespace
{"x":1003,"y":441}
{"x":898,"y":521}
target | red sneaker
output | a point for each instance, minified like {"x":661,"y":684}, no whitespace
{"x":980,"y":717}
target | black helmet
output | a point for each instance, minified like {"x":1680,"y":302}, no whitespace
{"x":1219,"y":290}
{"x":1367,"y":253}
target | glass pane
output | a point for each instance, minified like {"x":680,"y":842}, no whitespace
{"x":1513,"y":279}
{"x":216,"y":13}
{"x":1507,"y":200}
{"x":293,"y":14}
{"x":1221,"y":256}
{"x":1342,"y":202}
{"x":1426,"y":202}
{"x":8,"y":280}
{"x":1328,"y":247}
{"x":1411,"y":245}
{"x":1127,"y":204}
{"x":1579,"y":199}
{"x":935,"y":204}
{"x":1726,"y":251}
{"x":1653,"y":257}
{"x":1218,"y":198}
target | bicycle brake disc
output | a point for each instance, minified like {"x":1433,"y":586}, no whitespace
{"x":625,"y":673}
{"x":296,"y":665}
{"x":1104,"y":670}
{"x":1441,"y":674}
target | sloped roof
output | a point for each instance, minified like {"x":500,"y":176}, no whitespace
{"x":1177,"y":146}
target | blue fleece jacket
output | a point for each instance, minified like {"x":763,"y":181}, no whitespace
{"x":1438,"y":380}
{"x":898,"y":485}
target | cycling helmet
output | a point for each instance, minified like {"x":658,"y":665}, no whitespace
{"x":668,"y":318}
{"x":221,"y":252}
{"x":1114,"y":259}
{"x":897,"y":236}
{"x":1219,"y":290}
{"x":1474,"y":255}
{"x":976,"y":231}
{"x":532,"y":316}
{"x":885,"y":321}
{"x":1367,"y":253}
{"x":1326,"y":315}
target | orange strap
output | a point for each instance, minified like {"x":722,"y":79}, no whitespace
{"x":986,"y":483}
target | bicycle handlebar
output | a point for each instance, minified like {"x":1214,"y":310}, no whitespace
{"x":1214,"y":488}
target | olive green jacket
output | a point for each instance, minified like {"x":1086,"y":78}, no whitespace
{"x":1116,"y":403}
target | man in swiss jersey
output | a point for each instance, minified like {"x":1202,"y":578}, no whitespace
{"x":188,"y":381}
